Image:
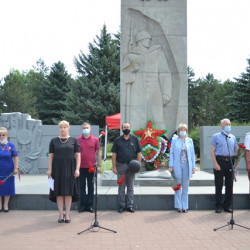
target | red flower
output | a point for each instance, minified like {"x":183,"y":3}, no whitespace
{"x":241,"y":145}
{"x":121,"y":180}
{"x":91,"y":169}
{"x":177,"y":187}
{"x":1,"y":182}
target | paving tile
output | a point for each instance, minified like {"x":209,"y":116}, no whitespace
{"x":34,"y":229}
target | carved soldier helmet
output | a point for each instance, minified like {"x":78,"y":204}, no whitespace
{"x":142,"y":35}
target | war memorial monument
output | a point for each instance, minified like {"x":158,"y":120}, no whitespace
{"x":153,"y":88}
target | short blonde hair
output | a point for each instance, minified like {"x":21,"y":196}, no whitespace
{"x":61,"y":123}
{"x":180,"y":127}
{"x":4,"y":130}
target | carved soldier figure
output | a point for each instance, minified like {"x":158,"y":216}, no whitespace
{"x":147,"y":78}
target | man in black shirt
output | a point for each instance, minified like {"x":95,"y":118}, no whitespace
{"x":125,"y":148}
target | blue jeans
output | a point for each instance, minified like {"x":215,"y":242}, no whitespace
{"x":86,"y":200}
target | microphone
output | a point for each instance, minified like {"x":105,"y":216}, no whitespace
{"x":101,"y":134}
{"x":228,"y":136}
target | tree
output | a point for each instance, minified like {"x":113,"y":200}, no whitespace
{"x":193,"y":98}
{"x":36,"y":79}
{"x":15,"y":96}
{"x":240,"y":99}
{"x":96,"y":92}
{"x":53,"y":94}
{"x":207,"y":100}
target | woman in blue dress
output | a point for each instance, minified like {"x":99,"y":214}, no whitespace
{"x":8,"y":165}
{"x":182,"y":162}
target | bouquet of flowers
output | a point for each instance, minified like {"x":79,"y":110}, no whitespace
{"x":240,"y":152}
{"x":177,"y":186}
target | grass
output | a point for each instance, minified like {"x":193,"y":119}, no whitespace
{"x":108,"y":165}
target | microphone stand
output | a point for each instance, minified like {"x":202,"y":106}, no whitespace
{"x":96,"y":222}
{"x":231,"y":222}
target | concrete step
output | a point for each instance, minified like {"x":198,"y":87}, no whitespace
{"x":160,"y":178}
{"x":32,"y":194}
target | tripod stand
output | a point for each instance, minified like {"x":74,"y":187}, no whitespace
{"x":96,"y":223}
{"x":231,"y":222}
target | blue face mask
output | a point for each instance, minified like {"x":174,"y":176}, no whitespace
{"x":3,"y":141}
{"x":227,"y":129}
{"x":182,"y":133}
{"x":86,"y":131}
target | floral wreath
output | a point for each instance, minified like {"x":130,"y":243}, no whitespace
{"x":155,"y":146}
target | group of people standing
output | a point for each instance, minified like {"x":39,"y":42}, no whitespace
{"x":72,"y":160}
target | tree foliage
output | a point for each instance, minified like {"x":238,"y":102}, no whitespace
{"x":239,"y":101}
{"x":36,"y":79}
{"x":207,"y":100}
{"x":96,"y":92}
{"x":53,"y":94}
{"x":15,"y":96}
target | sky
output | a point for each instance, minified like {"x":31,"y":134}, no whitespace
{"x":218,"y":38}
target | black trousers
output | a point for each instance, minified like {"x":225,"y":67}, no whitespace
{"x":225,"y":171}
{"x":86,"y":199}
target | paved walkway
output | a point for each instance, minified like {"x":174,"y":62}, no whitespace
{"x":141,"y":230}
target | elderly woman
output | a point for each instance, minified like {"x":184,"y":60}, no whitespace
{"x":182,"y":162}
{"x":8,"y":165}
{"x":63,"y":167}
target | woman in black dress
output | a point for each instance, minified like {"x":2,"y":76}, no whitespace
{"x":64,"y":165}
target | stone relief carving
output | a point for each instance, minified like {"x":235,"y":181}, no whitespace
{"x":25,"y":133}
{"x":32,"y":139}
{"x":151,"y":82}
{"x":148,"y":80}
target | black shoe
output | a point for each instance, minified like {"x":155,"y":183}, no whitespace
{"x":121,"y":209}
{"x":61,"y":220}
{"x":218,"y":210}
{"x":91,"y":210}
{"x":228,"y":210}
{"x":67,"y":221}
{"x":184,"y":210}
{"x":131,"y":210}
{"x":6,"y":210}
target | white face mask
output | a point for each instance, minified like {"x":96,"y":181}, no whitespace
{"x":182,"y":133}
{"x":3,"y":141}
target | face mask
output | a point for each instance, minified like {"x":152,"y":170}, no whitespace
{"x":3,"y":141}
{"x":227,"y":129}
{"x":126,"y":131}
{"x":86,"y":131}
{"x":182,"y":133}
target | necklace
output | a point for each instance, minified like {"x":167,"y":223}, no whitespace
{"x":3,"y":148}
{"x":63,"y":139}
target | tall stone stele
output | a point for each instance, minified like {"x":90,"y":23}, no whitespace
{"x":154,"y":63}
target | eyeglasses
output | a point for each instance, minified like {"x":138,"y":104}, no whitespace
{"x":2,"y":135}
